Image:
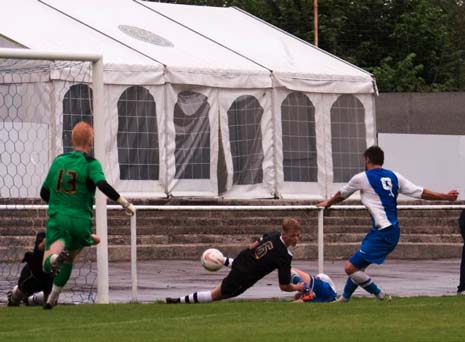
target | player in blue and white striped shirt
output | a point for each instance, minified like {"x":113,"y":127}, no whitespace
{"x":317,"y":289}
{"x":379,"y":189}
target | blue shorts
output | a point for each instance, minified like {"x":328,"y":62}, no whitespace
{"x":323,"y":291}
{"x":376,"y":246}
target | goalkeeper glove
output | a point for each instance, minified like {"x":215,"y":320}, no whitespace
{"x":308,"y":294}
{"x":308,"y":297}
{"x":129,"y":207}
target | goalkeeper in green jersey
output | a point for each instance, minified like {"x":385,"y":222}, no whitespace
{"x":69,"y":190}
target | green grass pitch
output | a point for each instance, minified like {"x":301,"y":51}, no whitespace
{"x":362,"y":319}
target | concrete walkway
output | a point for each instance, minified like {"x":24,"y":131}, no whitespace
{"x":171,"y":278}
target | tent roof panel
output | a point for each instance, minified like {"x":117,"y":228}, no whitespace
{"x":259,"y":41}
{"x":211,"y":46}
{"x":154,"y":35}
{"x":36,"y":26}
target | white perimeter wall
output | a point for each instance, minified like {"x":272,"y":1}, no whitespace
{"x":436,"y":162}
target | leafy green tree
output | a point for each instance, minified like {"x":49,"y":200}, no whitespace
{"x":399,"y":76}
{"x":422,"y":29}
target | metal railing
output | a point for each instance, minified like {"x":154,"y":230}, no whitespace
{"x":253,"y":208}
{"x":133,"y":222}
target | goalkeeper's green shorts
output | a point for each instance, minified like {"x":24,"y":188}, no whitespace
{"x":75,"y":232}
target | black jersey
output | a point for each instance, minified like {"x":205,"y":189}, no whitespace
{"x":32,"y":278}
{"x":269,"y":255}
{"x":34,"y":261}
{"x":34,"y":258}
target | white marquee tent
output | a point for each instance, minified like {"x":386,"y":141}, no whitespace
{"x":204,"y":101}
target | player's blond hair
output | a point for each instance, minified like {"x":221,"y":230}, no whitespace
{"x":82,"y":134}
{"x":291,"y":224}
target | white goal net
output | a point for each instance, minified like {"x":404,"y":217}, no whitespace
{"x":42,"y":96}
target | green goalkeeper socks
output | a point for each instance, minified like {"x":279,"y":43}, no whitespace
{"x":47,"y":263}
{"x":62,"y":277}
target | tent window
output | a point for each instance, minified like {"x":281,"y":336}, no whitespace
{"x":348,"y":137}
{"x":192,"y":127}
{"x":299,"y":139}
{"x":138,"y":153}
{"x":245,"y":136}
{"x":77,"y":106}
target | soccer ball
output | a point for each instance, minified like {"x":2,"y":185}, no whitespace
{"x":212,"y":260}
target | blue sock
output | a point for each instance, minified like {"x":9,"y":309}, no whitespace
{"x":372,"y":288}
{"x":349,"y":288}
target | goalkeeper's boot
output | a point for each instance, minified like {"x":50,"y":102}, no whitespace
{"x":169,"y":300}
{"x":47,"y":306}
{"x":14,"y":297}
{"x":56,"y":264}
{"x":52,"y":300}
{"x":11,"y":300}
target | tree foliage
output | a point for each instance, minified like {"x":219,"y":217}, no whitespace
{"x":409,"y":45}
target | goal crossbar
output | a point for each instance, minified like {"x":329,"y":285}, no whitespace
{"x":53,"y":55}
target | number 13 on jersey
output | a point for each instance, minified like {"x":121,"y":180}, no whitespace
{"x":69,"y":185}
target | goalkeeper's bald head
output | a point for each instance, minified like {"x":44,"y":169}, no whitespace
{"x":82,"y":136}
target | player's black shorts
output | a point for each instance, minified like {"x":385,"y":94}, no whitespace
{"x":235,"y":283}
{"x":29,"y":284}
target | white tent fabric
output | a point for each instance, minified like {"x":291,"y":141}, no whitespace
{"x":38,"y":27}
{"x":133,"y":188}
{"x":192,"y":145}
{"x":368,"y":103}
{"x":206,"y":79}
{"x":50,"y":30}
{"x":291,"y":189}
{"x":242,"y":189}
{"x":190,"y":58}
{"x":296,"y":65}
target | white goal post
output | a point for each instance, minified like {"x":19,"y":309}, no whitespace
{"x":99,"y":145}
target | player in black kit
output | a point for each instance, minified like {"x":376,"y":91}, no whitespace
{"x":252,"y":264}
{"x":34,"y":285}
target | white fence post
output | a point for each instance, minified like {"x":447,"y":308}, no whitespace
{"x":134,"y":257}
{"x":321,"y":255}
